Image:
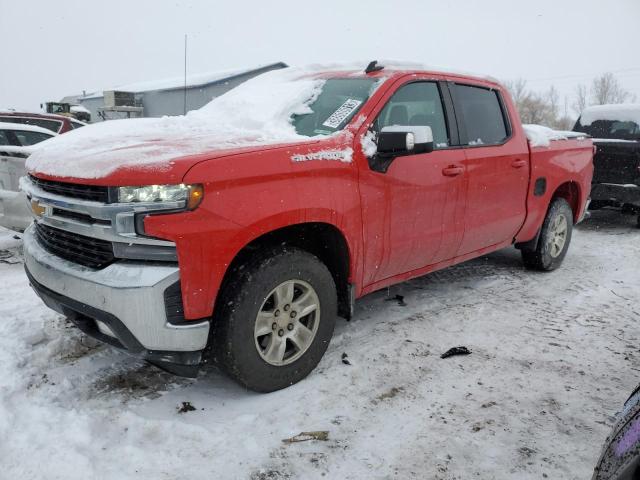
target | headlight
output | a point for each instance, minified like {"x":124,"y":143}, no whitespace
{"x":189,"y":195}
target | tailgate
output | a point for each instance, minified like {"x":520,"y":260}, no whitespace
{"x":617,"y":162}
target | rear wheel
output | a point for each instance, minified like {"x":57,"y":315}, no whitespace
{"x":276,"y":319}
{"x":554,"y":239}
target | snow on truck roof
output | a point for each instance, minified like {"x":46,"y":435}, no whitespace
{"x":394,"y":67}
{"x":625,"y":112}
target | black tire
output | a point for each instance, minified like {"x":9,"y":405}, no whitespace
{"x":543,"y":258}
{"x":620,"y":457}
{"x":233,"y":343}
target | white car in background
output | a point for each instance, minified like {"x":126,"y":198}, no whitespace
{"x":17,"y":141}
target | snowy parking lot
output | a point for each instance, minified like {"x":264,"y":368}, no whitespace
{"x":553,"y":358}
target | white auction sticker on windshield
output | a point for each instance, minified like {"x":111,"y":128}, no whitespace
{"x":337,"y":117}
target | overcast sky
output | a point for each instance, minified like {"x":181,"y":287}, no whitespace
{"x":52,"y":49}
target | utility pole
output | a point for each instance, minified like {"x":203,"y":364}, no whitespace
{"x":185,"y":74}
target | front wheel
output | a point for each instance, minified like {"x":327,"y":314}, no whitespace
{"x":554,"y":239}
{"x":276,"y":319}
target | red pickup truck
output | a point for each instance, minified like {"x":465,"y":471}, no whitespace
{"x":181,"y":249}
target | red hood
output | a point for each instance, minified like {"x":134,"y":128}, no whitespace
{"x":147,"y":150}
{"x":171,"y":172}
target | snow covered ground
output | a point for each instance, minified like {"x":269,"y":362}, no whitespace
{"x":554,"y":357}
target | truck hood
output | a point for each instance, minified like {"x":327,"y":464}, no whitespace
{"x":105,"y":154}
{"x":254,"y":115}
{"x":96,"y":156}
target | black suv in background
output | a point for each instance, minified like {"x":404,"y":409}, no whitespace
{"x":616,"y":135}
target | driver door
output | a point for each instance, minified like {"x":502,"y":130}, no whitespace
{"x":413,"y":212}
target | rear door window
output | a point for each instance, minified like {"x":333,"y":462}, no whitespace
{"x":482,"y":115}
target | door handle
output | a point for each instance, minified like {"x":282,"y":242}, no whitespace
{"x":452,"y":171}
{"x":519,"y":163}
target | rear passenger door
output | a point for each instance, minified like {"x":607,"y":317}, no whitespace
{"x":496,"y":165}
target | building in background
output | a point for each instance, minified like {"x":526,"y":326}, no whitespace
{"x":165,"y":97}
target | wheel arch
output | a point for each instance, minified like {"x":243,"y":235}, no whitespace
{"x":322,"y":239}
{"x":569,"y":191}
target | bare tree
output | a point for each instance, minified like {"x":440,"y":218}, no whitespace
{"x":581,"y":99}
{"x":564,"y":120}
{"x":553,"y":102}
{"x":607,"y":89}
{"x":545,"y":108}
{"x":517,"y":89}
{"x":533,"y":107}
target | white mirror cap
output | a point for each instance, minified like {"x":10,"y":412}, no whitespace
{"x":421,"y":133}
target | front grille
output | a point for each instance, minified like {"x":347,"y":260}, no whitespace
{"x":84,"y":192}
{"x":82,"y":217}
{"x":86,"y":251}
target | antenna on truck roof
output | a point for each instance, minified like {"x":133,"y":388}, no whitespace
{"x":373,"y":67}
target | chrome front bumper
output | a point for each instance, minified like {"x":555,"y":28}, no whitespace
{"x":130,"y":292}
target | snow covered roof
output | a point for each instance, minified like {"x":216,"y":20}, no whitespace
{"x":79,"y":108}
{"x":25,"y":128}
{"x":625,"y":112}
{"x":194,"y":80}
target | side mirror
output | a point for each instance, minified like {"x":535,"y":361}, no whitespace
{"x":397,"y":140}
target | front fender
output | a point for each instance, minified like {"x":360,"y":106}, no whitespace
{"x":236,"y":211}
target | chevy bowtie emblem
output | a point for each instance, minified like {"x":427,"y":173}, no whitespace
{"x":37,"y":209}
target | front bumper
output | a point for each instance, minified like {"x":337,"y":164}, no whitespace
{"x":616,"y":193}
{"x":122,"y":304}
{"x":14,"y":210}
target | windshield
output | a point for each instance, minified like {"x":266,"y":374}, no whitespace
{"x":337,"y":103}
{"x":610,"y":129}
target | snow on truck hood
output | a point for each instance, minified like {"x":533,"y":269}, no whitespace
{"x":255,"y":113}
